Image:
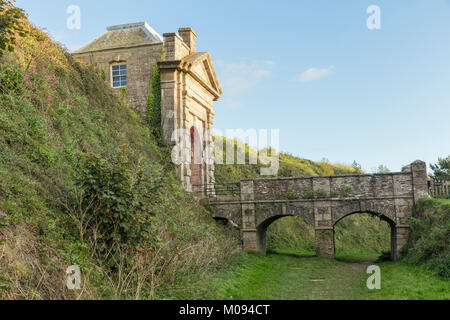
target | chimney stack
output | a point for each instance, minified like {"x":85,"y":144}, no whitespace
{"x":189,"y":37}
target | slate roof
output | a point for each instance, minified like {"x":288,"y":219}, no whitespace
{"x":123,"y":36}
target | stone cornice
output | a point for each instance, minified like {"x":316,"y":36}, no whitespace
{"x":80,"y":54}
{"x":185,"y":67}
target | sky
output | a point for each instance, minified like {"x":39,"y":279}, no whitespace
{"x":312,"y":69}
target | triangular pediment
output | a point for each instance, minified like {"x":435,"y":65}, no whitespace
{"x":201,"y":65}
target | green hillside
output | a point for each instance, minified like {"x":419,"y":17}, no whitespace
{"x":84,"y":182}
{"x":290,"y":166}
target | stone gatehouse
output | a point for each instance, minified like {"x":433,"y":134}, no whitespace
{"x":127,"y":54}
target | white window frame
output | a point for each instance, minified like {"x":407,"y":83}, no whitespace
{"x":120,"y":75}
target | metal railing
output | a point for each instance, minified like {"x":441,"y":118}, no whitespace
{"x":227,"y":189}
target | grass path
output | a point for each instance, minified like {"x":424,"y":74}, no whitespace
{"x":301,"y":276}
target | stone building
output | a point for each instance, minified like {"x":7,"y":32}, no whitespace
{"x":129,"y":53}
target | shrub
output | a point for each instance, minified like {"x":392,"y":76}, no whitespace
{"x":441,"y":265}
{"x":292,"y":194}
{"x":430,"y":235}
{"x":308,"y":193}
{"x":117,"y":196}
{"x":11,"y":25}
{"x":11,"y":80}
{"x":320,"y":194}
{"x":346,"y":191}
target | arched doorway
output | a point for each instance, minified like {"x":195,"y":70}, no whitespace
{"x":362,"y":236}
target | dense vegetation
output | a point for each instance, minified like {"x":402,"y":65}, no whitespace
{"x":441,"y":170}
{"x":154,"y":103}
{"x":10,"y":25}
{"x":84,"y":182}
{"x":430,"y":236}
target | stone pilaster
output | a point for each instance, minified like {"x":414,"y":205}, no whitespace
{"x":324,"y":229}
{"x":168,"y":95}
{"x":399,"y":239}
{"x":400,"y":232}
{"x":325,"y":243}
{"x":250,"y":236}
{"x":420,"y":180}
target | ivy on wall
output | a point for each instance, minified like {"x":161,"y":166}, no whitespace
{"x":154,"y":103}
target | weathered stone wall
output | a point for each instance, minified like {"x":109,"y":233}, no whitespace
{"x":361,"y":186}
{"x":324,"y":201}
{"x":139,"y":60}
{"x":188,"y":95}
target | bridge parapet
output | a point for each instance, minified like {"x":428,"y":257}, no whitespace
{"x":323,"y":201}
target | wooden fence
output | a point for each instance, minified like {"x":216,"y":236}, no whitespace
{"x":439,"y":189}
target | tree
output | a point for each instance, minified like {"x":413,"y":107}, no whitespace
{"x":10,"y":25}
{"x":382,"y":169}
{"x":441,"y":170}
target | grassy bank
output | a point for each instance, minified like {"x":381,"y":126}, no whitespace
{"x":290,"y":275}
{"x":403,"y":281}
{"x":429,"y":243}
{"x":84,"y":182}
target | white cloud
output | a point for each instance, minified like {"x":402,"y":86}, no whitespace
{"x":314,"y":74}
{"x":238,"y":78}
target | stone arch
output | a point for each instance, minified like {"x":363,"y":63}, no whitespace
{"x":261,"y":229}
{"x":382,"y":217}
{"x":263,"y":201}
{"x":229,"y":212}
{"x":267,"y":212}
{"x":226,"y":222}
{"x":376,"y":214}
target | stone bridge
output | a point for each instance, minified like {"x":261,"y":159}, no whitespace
{"x":323,"y":201}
